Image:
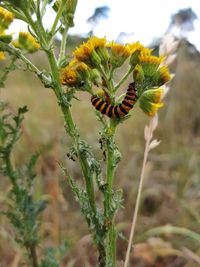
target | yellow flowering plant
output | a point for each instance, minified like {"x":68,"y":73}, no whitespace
{"x":91,"y":69}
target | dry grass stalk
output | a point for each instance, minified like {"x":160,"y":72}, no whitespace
{"x":167,"y":48}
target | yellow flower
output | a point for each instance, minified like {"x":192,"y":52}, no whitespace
{"x":2,"y":55}
{"x":135,"y":50}
{"x":83,"y":52}
{"x":92,"y":52}
{"x":69,"y":76}
{"x":119,"y":50}
{"x":164,"y":74}
{"x":135,"y":47}
{"x":96,"y":42}
{"x":6,"y":18}
{"x":119,"y":53}
{"x":26,"y":42}
{"x":99,"y":46}
{"x":146,"y":57}
{"x":78,"y":65}
{"x":152,"y":108}
{"x":150,"y":101}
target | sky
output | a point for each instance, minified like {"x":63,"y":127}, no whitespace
{"x":143,"y":20}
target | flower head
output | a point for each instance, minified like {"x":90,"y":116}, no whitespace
{"x":69,"y":76}
{"x":27,"y":42}
{"x":135,"y":50}
{"x":151,"y":101}
{"x":83,"y":52}
{"x":78,"y":65}
{"x":6,"y":17}
{"x":96,"y":42}
{"x":138,"y":74}
{"x":135,"y":47}
{"x":68,"y":10}
{"x":164,"y":74}
{"x":145,"y":57}
{"x":119,"y":53}
{"x":87,"y":54}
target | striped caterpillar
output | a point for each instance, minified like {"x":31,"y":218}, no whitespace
{"x":119,"y":110}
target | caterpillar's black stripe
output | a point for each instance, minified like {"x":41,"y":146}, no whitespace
{"x":120,"y":110}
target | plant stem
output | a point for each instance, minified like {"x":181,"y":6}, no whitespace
{"x":33,"y":255}
{"x":72,"y":131}
{"x":135,"y":214}
{"x":16,"y":52}
{"x":10,"y":171}
{"x":63,"y":44}
{"x":58,"y":15}
{"x":110,"y":233}
{"x":123,"y":79}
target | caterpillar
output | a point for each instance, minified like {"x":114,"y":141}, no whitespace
{"x":119,"y":110}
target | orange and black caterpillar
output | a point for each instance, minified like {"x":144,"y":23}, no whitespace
{"x":120,"y":110}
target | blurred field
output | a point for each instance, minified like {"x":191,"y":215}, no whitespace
{"x":171,"y":192}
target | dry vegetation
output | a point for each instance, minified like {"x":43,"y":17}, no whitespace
{"x":172,"y":185}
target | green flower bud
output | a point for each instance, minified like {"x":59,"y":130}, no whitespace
{"x":70,"y":9}
{"x":138,"y":74}
{"x":95,"y":76}
{"x":6,"y":38}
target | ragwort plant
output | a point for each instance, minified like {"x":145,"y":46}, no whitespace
{"x":90,"y":69}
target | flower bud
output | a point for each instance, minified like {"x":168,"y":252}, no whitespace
{"x":26,"y":42}
{"x":6,"y":38}
{"x":99,"y":45}
{"x":100,"y":93}
{"x":70,"y":10}
{"x":6,"y":17}
{"x":135,"y":50}
{"x":138,"y":74}
{"x":95,"y":76}
{"x":150,"y":101}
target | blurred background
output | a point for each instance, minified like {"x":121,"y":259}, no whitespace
{"x":171,"y":194}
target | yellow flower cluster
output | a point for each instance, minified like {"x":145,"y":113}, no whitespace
{"x":96,"y":57}
{"x":26,"y":42}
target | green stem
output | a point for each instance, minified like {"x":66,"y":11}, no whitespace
{"x":33,"y":255}
{"x":16,"y":52}
{"x":39,"y":31}
{"x":63,"y":44}
{"x":124,"y":78}
{"x":10,"y":171}
{"x":110,"y":234}
{"x":72,"y":131}
{"x":44,"y":3}
{"x":58,"y":15}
